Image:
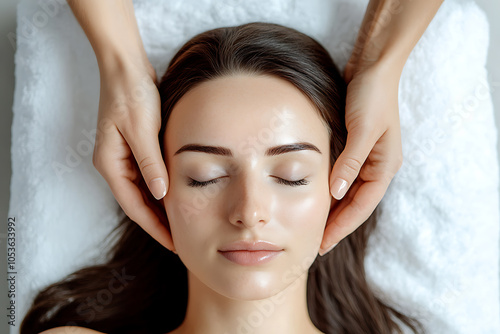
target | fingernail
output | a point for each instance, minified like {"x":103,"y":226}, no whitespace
{"x":323,"y":252}
{"x":339,"y":188}
{"x":158,"y":188}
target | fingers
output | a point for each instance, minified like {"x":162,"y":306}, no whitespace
{"x":113,"y":159}
{"x":354,"y":209}
{"x":146,"y":150}
{"x":129,"y":196}
{"x":367,"y":190}
{"x":349,"y":163}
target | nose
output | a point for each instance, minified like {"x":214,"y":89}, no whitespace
{"x":250,"y":202}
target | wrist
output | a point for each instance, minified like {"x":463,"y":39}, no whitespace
{"x":388,"y":66}
{"x":390,"y":30}
{"x":392,"y":63}
{"x":117,"y":59}
{"x":379,"y":51}
{"x":112,"y":30}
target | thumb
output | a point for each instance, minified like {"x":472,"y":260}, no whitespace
{"x":348,"y":164}
{"x":149,"y":159}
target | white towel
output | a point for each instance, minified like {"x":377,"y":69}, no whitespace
{"x":435,"y":250}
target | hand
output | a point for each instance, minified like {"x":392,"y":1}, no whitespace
{"x":373,"y":152}
{"x":127,"y":143}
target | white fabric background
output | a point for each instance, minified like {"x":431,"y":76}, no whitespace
{"x":435,"y":250}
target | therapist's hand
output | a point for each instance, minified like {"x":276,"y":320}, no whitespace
{"x":373,"y":152}
{"x":373,"y":155}
{"x":127,"y":152}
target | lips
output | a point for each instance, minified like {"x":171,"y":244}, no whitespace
{"x":251,"y":246}
{"x":250,"y":253}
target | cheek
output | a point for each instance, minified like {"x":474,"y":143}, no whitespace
{"x":189,"y":217}
{"x":304,"y":217}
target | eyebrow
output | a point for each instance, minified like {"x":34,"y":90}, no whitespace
{"x":272,"y":151}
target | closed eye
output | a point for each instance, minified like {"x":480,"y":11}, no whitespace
{"x":194,"y":183}
{"x":301,"y":182}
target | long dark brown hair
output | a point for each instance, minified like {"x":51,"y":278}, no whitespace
{"x":142,"y":282}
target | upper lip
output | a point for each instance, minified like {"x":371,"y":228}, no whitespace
{"x":244,"y":245}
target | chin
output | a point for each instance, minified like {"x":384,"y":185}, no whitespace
{"x":248,"y":285}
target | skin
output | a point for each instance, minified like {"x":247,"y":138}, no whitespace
{"x":128,"y":136}
{"x":247,"y":202}
{"x":127,"y":148}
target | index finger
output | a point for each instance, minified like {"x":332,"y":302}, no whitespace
{"x":358,"y":204}
{"x":121,"y":175}
{"x":349,"y":163}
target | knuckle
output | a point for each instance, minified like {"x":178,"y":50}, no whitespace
{"x":99,"y":165}
{"x":360,"y":126}
{"x":399,"y":161}
{"x":147,"y":165}
{"x":130,"y":214}
{"x":394,"y":165}
{"x":389,"y":173}
{"x":387,"y":177}
{"x":130,"y":209}
{"x":96,"y":161}
{"x":356,"y":206}
{"x":352,"y":166}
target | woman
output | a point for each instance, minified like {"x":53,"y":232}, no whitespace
{"x":129,"y":145}
{"x":252,"y":123}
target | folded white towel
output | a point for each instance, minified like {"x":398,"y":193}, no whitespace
{"x":435,"y":250}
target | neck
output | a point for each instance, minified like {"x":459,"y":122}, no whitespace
{"x":211,"y":313}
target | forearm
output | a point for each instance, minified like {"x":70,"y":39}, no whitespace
{"x":111,"y":28}
{"x":391,"y":28}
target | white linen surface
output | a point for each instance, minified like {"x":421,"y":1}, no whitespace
{"x":435,"y":250}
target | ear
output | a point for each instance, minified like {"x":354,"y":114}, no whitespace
{"x":162,"y":235}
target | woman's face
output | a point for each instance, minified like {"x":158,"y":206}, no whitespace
{"x":248,"y":160}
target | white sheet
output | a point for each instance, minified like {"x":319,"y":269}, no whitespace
{"x":435,"y":250}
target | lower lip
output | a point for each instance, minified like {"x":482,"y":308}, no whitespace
{"x":250,"y":258}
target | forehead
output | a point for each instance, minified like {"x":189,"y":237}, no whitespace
{"x":239,"y":109}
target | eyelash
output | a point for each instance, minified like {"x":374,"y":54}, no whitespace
{"x":194,"y":183}
{"x":302,"y":182}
